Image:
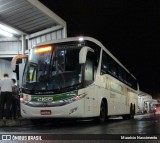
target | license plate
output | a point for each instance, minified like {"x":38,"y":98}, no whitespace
{"x":45,"y":112}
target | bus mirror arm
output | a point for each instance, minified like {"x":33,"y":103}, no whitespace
{"x":14,"y":60}
{"x":83,"y":53}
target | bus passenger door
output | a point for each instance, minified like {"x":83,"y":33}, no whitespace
{"x":90,"y":102}
{"x":90,"y":99}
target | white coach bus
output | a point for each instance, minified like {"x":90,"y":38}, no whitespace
{"x":76,"y":78}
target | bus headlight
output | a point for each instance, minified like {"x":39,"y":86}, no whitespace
{"x":21,"y":100}
{"x":75,"y":98}
{"x":26,"y":98}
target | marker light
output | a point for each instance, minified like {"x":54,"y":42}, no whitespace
{"x":8,"y":29}
{"x":21,"y":100}
{"x":5,"y":33}
{"x":42,"y":49}
{"x":80,"y":39}
{"x":77,"y":97}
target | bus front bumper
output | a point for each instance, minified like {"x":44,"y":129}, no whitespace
{"x":74,"y":109}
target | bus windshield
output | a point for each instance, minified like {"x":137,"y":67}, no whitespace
{"x":54,"y":69}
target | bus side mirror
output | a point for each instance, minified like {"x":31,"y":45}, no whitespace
{"x":14,"y":60}
{"x":83,"y":53}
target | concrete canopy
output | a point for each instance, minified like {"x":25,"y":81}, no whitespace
{"x":30,"y":23}
{"x":28,"y":16}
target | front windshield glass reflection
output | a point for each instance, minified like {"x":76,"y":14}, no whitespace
{"x":55,"y":69}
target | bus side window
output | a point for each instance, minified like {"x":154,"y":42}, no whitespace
{"x":112,"y":68}
{"x":124,"y":77}
{"x":104,"y":66}
{"x":120,"y":74}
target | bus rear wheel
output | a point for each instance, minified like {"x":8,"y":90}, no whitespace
{"x":103,"y":113}
{"x":132,"y":111}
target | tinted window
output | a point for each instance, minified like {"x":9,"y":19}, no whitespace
{"x":105,"y":64}
{"x":110,"y":66}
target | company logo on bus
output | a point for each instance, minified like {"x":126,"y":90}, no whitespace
{"x":43,"y":99}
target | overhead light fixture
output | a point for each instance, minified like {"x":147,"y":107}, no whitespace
{"x":7,"y":29}
{"x":5,"y":33}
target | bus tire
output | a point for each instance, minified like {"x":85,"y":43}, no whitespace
{"x":103,"y":112}
{"x":132,"y":111}
{"x":125,"y":117}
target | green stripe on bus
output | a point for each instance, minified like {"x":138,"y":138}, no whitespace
{"x":55,"y":97}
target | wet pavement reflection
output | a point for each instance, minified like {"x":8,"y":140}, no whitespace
{"x":141,"y":124}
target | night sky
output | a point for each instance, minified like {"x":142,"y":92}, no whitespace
{"x":130,"y":29}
